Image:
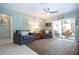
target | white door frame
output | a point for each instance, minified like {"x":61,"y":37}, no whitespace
{"x":11,"y":29}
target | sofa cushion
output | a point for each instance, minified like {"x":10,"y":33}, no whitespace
{"x":24,"y":33}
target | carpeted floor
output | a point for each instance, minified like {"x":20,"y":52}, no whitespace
{"x":7,"y":47}
{"x":53,"y":46}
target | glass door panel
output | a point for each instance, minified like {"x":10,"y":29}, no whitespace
{"x":57,"y":29}
{"x":68,"y":28}
{"x":64,"y":28}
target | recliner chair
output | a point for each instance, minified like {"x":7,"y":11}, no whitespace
{"x":47,"y":35}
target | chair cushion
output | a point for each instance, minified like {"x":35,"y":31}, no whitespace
{"x":47,"y":31}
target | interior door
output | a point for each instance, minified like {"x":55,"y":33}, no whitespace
{"x":4,"y":27}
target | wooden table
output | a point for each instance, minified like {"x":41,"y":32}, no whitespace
{"x":38,"y":35}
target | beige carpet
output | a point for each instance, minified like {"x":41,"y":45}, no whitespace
{"x":9,"y":48}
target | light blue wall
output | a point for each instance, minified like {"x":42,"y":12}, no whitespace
{"x":16,"y":18}
{"x":71,"y":14}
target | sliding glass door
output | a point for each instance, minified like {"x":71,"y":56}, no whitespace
{"x":69,"y":28}
{"x":64,"y":28}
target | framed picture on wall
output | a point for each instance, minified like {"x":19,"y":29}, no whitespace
{"x":3,"y":21}
{"x":48,"y":24}
{"x":25,"y":23}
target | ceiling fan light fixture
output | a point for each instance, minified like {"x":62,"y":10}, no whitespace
{"x":48,"y":13}
{"x":47,"y":10}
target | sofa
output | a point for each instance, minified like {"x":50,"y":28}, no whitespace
{"x":23,"y":37}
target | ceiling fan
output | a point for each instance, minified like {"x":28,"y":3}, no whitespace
{"x":48,"y":10}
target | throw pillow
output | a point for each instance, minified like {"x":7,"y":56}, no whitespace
{"x":24,"y":33}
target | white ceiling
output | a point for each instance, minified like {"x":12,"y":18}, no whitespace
{"x":36,"y":9}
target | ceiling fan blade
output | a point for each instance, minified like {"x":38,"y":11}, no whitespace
{"x":46,"y":10}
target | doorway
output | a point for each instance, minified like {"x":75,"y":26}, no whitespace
{"x":5,"y":26}
{"x":64,"y":28}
